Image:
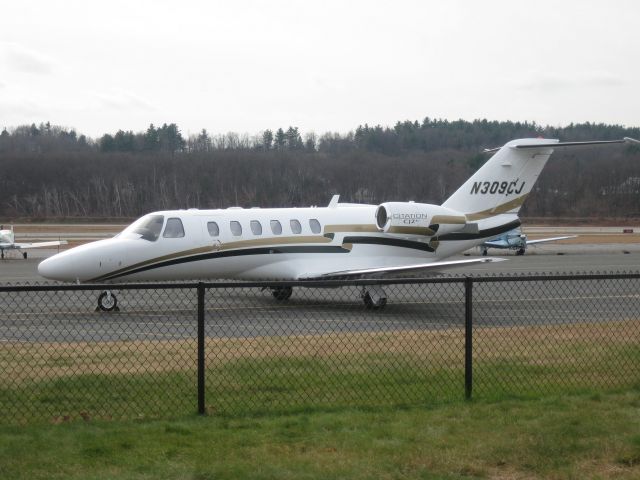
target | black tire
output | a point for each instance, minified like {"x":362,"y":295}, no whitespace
{"x":281,"y":294}
{"x":520,"y":251}
{"x":106,"y":302}
{"x":24,"y":255}
{"x":370,"y":304}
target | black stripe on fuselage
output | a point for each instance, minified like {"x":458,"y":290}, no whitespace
{"x":394,"y":242}
{"x":482,"y":234}
{"x":230,"y":253}
{"x":390,"y":242}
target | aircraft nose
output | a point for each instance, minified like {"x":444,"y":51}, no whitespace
{"x":53,"y":269}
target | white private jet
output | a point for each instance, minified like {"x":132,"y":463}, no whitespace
{"x":334,"y":242}
{"x":516,"y":240}
{"x":8,"y":242}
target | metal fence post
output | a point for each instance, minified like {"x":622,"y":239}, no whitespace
{"x":201,"y":404}
{"x":468,"y":337}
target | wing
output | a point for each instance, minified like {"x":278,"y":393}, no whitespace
{"x":496,"y":244}
{"x":552,"y":239}
{"x":432,"y":268}
{"x":39,"y":244}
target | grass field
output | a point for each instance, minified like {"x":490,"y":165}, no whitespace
{"x":550,"y":401}
{"x":47,"y":382}
{"x":591,"y":435}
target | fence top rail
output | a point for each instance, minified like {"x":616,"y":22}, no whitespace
{"x":320,"y":283}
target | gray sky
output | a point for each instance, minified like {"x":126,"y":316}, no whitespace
{"x":245,"y":66}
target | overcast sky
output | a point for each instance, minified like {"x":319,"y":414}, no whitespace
{"x":244,"y":66}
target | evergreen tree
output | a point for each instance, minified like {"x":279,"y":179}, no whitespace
{"x":267,"y":139}
{"x":280,"y":140}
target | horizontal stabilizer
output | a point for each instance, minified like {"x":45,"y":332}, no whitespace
{"x":576,"y":144}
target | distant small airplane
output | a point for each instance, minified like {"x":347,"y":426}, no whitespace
{"x":335,"y":242}
{"x":8,"y":242}
{"x":516,"y":240}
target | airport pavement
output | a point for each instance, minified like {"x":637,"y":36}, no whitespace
{"x":549,"y":258}
{"x":170,"y":314}
{"x":249,"y":312}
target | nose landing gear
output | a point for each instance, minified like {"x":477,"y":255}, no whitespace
{"x":107,"y":302}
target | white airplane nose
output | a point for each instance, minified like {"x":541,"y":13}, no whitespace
{"x":55,"y":268}
{"x":47,"y":269}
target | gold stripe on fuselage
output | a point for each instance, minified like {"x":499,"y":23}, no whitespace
{"x":354,"y":228}
{"x":412,"y":230}
{"x":449,"y":219}
{"x":499,"y":209}
{"x":274,"y":242}
{"x":258,"y":242}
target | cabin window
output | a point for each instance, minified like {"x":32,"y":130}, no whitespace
{"x":236,"y":228}
{"x":256,"y":228}
{"x":315,"y":225}
{"x":148,"y":228}
{"x":276,"y":227}
{"x":173,"y":229}
{"x":295,"y":226}
{"x":213,"y":229}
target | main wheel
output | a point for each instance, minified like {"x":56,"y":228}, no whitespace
{"x":24,"y":255}
{"x":370,"y":303}
{"x":107,"y":301}
{"x":520,"y":251}
{"x":281,"y":293}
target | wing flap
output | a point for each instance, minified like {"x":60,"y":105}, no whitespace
{"x":390,"y":271}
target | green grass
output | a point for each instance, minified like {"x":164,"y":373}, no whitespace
{"x":52,"y":383}
{"x":549,"y":402}
{"x":563,"y":437}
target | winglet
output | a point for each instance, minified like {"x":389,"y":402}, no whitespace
{"x":334,"y":201}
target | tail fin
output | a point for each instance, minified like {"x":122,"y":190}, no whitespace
{"x":502,"y":184}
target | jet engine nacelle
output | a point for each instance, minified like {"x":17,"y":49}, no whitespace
{"x":418,"y":219}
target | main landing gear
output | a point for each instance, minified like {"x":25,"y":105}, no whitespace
{"x":281,"y":293}
{"x":24,"y":255}
{"x":374,"y":297}
{"x":107,"y":302}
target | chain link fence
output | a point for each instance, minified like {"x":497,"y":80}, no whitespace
{"x":237,"y":349}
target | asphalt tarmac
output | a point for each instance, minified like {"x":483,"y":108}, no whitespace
{"x":165,"y":314}
{"x":547,"y":258}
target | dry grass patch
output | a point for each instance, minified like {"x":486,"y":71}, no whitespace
{"x":546,"y":345}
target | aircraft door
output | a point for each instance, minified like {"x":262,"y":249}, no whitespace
{"x":213,"y":234}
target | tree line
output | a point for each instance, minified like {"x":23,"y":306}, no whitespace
{"x":54,"y":172}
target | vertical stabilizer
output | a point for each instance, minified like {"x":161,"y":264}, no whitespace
{"x":503,"y":183}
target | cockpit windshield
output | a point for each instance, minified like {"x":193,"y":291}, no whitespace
{"x":147,"y":228}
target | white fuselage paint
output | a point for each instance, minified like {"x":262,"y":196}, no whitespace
{"x":389,"y":238}
{"x":127,"y":257}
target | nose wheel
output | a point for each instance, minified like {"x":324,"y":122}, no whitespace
{"x":107,"y":302}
